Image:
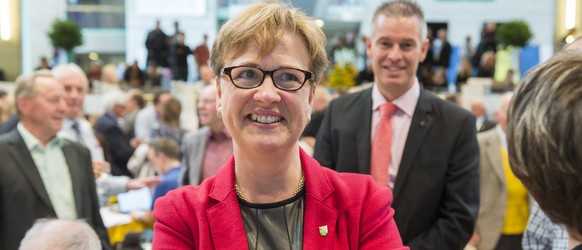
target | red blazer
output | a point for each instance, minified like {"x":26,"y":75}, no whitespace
{"x":356,"y":212}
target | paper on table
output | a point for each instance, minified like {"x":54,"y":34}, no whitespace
{"x":111,"y":219}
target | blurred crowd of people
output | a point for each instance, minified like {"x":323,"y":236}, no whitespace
{"x":271,"y":136}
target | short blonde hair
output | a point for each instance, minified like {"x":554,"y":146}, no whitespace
{"x":263,"y":25}
{"x":26,"y":85}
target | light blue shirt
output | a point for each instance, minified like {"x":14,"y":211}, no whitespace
{"x":54,"y":172}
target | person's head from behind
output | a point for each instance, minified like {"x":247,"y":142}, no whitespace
{"x":502,"y":109}
{"x":454,"y":98}
{"x":115,"y":102}
{"x":207,"y":107}
{"x":134,"y":100}
{"x":478,"y":107}
{"x":76,"y":86}
{"x":396,"y":46}
{"x":44,"y":64}
{"x":488,"y":60}
{"x":49,"y":234}
{"x":545,"y":150}
{"x":268,"y":59}
{"x":171,"y":111}
{"x":161,"y":97}
{"x":39,"y":100}
{"x":109,"y":73}
{"x":162,"y":153}
{"x":206,"y":74}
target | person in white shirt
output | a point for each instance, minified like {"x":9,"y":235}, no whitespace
{"x":76,"y":128}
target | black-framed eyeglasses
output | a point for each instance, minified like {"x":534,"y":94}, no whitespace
{"x":284,"y":78}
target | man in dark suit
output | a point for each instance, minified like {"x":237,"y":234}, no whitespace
{"x":434,"y":163}
{"x":41,"y":174}
{"x":442,"y":55}
{"x":118,"y":144}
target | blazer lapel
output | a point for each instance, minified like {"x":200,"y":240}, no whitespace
{"x":23,"y":159}
{"x":224,"y":219}
{"x":493,"y":154}
{"x":198,"y":155}
{"x":319,"y":224}
{"x":74,"y":165}
{"x":320,"y":219}
{"x":363,"y":134}
{"x":419,"y":127}
{"x":226,"y":225}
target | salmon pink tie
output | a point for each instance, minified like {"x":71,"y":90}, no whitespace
{"x":381,"y":145}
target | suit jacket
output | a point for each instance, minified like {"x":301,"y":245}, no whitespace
{"x":118,"y":144}
{"x":356,"y":212}
{"x":193,"y":148}
{"x":436,"y":192}
{"x":445,"y":55}
{"x":23,"y":197}
{"x":493,"y":190}
{"x":9,"y":124}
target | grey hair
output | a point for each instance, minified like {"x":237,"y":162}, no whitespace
{"x":114,"y":98}
{"x":545,"y":150}
{"x":402,"y":8}
{"x":48,"y":234}
{"x":63,"y":70}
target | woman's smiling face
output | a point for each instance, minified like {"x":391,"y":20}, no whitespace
{"x":266,"y":118}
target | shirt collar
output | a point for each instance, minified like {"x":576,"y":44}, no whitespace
{"x":32,"y":142}
{"x":502,"y":136}
{"x":405,"y":102}
{"x":224,"y":132}
{"x":67,"y":123}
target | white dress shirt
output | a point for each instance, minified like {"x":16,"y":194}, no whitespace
{"x":88,"y":137}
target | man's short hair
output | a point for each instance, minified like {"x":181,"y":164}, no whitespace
{"x":26,"y":85}
{"x":138,"y":99}
{"x":114,"y":98}
{"x":158,"y":94}
{"x":64,"y":70}
{"x":48,"y":234}
{"x":401,"y":8}
{"x":166,"y":146}
{"x":171,"y":112}
{"x":545,"y":150}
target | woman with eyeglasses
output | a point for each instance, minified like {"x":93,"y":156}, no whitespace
{"x":270,"y":194}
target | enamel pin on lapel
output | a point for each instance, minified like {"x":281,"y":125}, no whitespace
{"x":323,"y":231}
